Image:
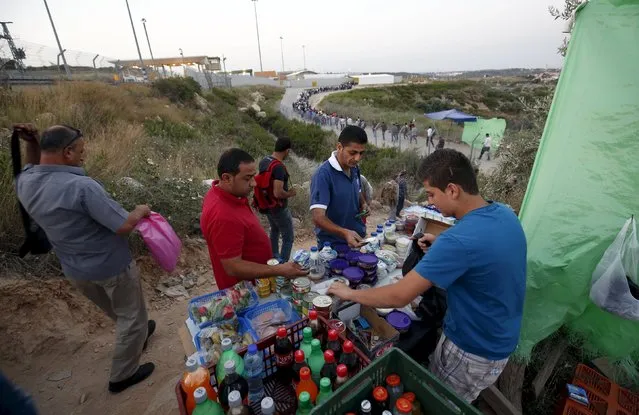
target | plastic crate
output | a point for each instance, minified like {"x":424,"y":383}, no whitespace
{"x":244,"y":327}
{"x":596,"y":406}
{"x":203,"y":299}
{"x":284,"y":305}
{"x":434,"y":396}
{"x":620,"y":401}
{"x":283,"y":395}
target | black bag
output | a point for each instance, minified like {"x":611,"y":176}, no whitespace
{"x":36,"y":241}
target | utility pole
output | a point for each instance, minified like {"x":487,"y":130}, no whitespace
{"x":135,"y":36}
{"x":18,"y":54}
{"x":95,"y":67}
{"x":282,"y":49}
{"x":57,"y":39}
{"x":304,"y":52}
{"x":257,"y":29}
{"x":149,"y":43}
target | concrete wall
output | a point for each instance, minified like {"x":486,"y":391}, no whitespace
{"x":317,"y":82}
{"x":240,"y":80}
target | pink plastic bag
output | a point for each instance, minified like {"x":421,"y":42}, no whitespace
{"x":160,"y":238}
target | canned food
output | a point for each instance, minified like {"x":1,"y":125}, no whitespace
{"x":263,"y":287}
{"x":337,"y":325}
{"x":301,"y":286}
{"x":273,"y":262}
{"x":323,"y":304}
{"x":307,"y":302}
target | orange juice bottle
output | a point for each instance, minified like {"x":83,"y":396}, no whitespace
{"x":196,"y":376}
{"x":306,"y":384}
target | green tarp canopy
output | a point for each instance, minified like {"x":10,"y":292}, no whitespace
{"x":585,"y":182}
{"x":475,"y":132}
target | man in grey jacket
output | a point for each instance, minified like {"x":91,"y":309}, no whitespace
{"x":88,"y":231}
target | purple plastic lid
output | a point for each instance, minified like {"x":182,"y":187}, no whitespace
{"x":338,"y":264}
{"x":399,"y":320}
{"x":353,"y":256}
{"x":353,"y":274}
{"x":368,"y":259}
{"x":341,"y":249}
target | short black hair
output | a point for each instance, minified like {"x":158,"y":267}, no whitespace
{"x":58,"y":137}
{"x":487,"y":134}
{"x":230,"y":161}
{"x":353,"y":134}
{"x":447,"y":166}
{"x":282,"y":144}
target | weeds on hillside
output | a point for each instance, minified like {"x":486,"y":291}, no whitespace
{"x":177,"y":89}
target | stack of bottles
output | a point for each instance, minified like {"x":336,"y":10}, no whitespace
{"x":390,"y":399}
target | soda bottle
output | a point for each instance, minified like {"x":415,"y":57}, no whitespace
{"x":205,"y":406}
{"x":306,"y":347}
{"x":334,"y":344}
{"x":232,"y":382}
{"x":196,"y":376}
{"x":284,"y":356}
{"x":305,"y":405}
{"x":330,"y":367}
{"x":365,"y":407}
{"x":395,"y":389}
{"x":228,"y":354}
{"x":325,"y":391}
{"x":235,"y":405}
{"x":316,"y":361}
{"x":349,"y":358}
{"x":300,"y":362}
{"x":380,"y":399}
{"x":253,"y":372}
{"x":268,"y":406}
{"x":417,"y":408}
{"x":342,"y":376}
{"x":314,"y":324}
{"x":306,"y":384}
{"x":403,"y":407}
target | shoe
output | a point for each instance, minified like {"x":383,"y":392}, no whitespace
{"x":150,"y":331}
{"x":143,"y":372}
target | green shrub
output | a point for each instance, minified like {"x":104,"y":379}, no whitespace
{"x":178,"y":89}
{"x":177,"y":132}
{"x":381,"y":164}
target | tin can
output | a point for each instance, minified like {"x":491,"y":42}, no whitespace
{"x":307,"y":302}
{"x":301,"y":286}
{"x":273,"y":262}
{"x":337,"y":325}
{"x":297,"y":305}
{"x":263,"y":287}
{"x":323,"y":304}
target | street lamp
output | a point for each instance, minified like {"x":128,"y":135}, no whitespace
{"x":57,"y":39}
{"x":182,"y":55}
{"x":304,"y":52}
{"x":282,"y":49}
{"x":149,"y":43}
{"x":137,"y":45}
{"x":257,"y":29}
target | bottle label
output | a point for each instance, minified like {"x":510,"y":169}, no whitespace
{"x":284,"y":359}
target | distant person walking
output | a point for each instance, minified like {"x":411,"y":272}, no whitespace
{"x":486,"y":148}
{"x":413,"y":134}
{"x":401,"y":194}
{"x":375,"y":126}
{"x":404,"y":131}
{"x":384,"y":128}
{"x":430,"y":134}
{"x":441,"y":143}
{"x":395,"y":133}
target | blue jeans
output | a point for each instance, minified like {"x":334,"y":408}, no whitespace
{"x":13,"y":400}
{"x":281,"y":222}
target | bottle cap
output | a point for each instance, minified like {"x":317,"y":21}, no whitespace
{"x":332,"y":335}
{"x":404,"y":405}
{"x":268,"y":405}
{"x":229,"y":366}
{"x":200,"y":395}
{"x":235,"y":399}
{"x":380,"y":394}
{"x":342,"y":371}
{"x":305,"y":373}
{"x":313,"y":249}
{"x":348,"y":346}
{"x":281,"y":332}
{"x":191,"y":364}
{"x":227,"y":344}
{"x":252,"y":349}
{"x":366,"y":406}
{"x":374,"y":234}
{"x":387,"y":413}
{"x":299,"y":356}
{"x":410,"y":396}
{"x":393,"y":380}
{"x":325,"y":383}
{"x":305,"y":398}
{"x":316,"y":345}
{"x":329,"y":356}
{"x":327,"y":244}
{"x":308,"y":333}
{"x":312,"y":314}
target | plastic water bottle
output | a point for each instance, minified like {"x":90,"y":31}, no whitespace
{"x":253,"y":372}
{"x":326,"y":256}
{"x":316,"y":270}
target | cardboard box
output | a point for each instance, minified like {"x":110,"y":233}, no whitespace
{"x":435,"y":227}
{"x":387,"y":334}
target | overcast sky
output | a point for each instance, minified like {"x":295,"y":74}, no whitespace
{"x":340,"y":35}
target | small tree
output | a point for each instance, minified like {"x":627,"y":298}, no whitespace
{"x":567,"y":14}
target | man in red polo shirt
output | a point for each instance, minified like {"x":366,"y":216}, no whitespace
{"x":238,"y":245}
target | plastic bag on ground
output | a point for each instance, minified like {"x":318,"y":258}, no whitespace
{"x":164,"y":245}
{"x":616,"y":271}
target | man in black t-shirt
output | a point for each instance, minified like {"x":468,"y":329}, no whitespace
{"x":280,"y":217}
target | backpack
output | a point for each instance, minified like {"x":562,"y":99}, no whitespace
{"x":263,"y":198}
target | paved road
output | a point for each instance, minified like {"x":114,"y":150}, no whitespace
{"x":291,"y":95}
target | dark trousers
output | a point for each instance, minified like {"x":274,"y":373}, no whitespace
{"x":281,"y":222}
{"x":485,"y":150}
{"x":400,"y":204}
{"x":13,"y":400}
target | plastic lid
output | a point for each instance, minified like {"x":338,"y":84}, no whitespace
{"x":366,"y":406}
{"x":342,"y":371}
{"x":316,"y":345}
{"x":305,"y":373}
{"x":281,"y":332}
{"x":374,"y":234}
{"x":338,"y":263}
{"x":353,"y":256}
{"x":229,"y":366}
{"x":313,"y":249}
{"x":387,"y":413}
{"x":200,"y":395}
{"x":325,"y":383}
{"x":403,"y":405}
{"x":308,"y":333}
{"x":312,"y":314}
{"x":305,"y":398}
{"x":348,"y":346}
{"x":393,"y":380}
{"x":252,"y":348}
{"x":380,"y":394}
{"x":332,"y":334}
{"x":235,"y":399}
{"x":342,"y":248}
{"x":410,"y":396}
{"x":227,"y":344}
{"x":327,"y":244}
{"x":399,"y":320}
{"x":191,"y":364}
{"x":353,"y":274}
{"x":368,"y":259}
{"x":268,"y":406}
{"x":299,"y":356}
{"x":329,"y":356}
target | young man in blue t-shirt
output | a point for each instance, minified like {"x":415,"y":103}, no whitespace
{"x":480,"y":262}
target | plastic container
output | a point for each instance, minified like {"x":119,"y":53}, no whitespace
{"x":353,"y":258}
{"x":196,"y":377}
{"x":327,"y":254}
{"x":316,"y":271}
{"x":205,"y":346}
{"x":204,"y":405}
{"x":306,"y":384}
{"x":338,"y":266}
{"x":268,"y":406}
{"x":236,"y":406}
{"x":282,"y":313}
{"x":354,"y":275}
{"x":316,"y":361}
{"x":618,"y":400}
{"x":197,"y":302}
{"x":368,"y":262}
{"x":228,"y":353}
{"x":325,"y":391}
{"x":253,"y":372}
{"x":436,"y":398}
{"x":399,"y":320}
{"x":342,"y":250}
{"x":305,"y":404}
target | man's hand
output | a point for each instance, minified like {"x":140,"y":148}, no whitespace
{"x":426,"y":241}
{"x":142,"y":211}
{"x":365,"y":210}
{"x":340,"y":290}
{"x":353,"y":239}
{"x":27,"y":132}
{"x":291,"y":270}
{"x":292,"y":192}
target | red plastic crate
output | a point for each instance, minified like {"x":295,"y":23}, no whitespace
{"x":620,"y":401}
{"x":284,"y":396}
{"x":597,"y":405}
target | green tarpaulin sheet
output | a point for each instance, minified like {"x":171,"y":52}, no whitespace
{"x":585,"y":181}
{"x":475,"y":132}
